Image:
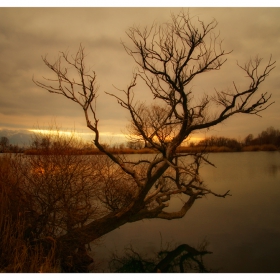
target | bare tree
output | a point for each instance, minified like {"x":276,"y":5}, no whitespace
{"x":4,"y":142}
{"x":169,"y":57}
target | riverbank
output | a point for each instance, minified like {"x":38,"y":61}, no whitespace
{"x":183,"y":149}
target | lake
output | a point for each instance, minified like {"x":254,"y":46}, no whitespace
{"x":243,"y":230}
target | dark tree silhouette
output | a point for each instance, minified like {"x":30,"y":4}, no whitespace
{"x":169,"y":57}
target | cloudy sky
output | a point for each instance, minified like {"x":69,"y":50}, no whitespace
{"x":28,"y":33}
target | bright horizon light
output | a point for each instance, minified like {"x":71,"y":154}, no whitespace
{"x":106,"y":136}
{"x":85,"y":135}
{"x":47,"y":131}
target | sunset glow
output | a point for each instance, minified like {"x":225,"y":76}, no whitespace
{"x":46,"y":131}
{"x":100,"y":30}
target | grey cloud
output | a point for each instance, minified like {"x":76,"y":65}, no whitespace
{"x":28,"y":33}
{"x":104,"y":42}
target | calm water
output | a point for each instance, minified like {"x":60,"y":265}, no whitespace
{"x":243,"y":230}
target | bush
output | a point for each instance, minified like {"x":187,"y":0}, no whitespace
{"x":18,"y":252}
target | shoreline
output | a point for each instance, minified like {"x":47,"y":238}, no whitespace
{"x":212,"y":149}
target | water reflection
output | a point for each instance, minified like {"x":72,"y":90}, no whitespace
{"x":182,"y":258}
{"x":243,"y":230}
{"x":273,"y":169}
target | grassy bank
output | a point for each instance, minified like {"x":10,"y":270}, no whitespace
{"x":183,"y":149}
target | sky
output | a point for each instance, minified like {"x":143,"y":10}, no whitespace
{"x":27,"y":34}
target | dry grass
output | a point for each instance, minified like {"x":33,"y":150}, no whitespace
{"x":17,"y":252}
{"x":93,"y":151}
{"x":223,"y":149}
{"x":266,"y":147}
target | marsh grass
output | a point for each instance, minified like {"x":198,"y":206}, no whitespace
{"x":17,"y":252}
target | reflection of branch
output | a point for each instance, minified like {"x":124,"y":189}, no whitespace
{"x":164,"y":264}
{"x":181,"y":259}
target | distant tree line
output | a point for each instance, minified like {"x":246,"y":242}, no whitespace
{"x":270,"y":136}
{"x":5,"y":146}
{"x":268,"y":139}
{"x":215,"y":141}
